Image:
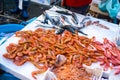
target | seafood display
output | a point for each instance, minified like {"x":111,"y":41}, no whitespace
{"x":55,"y":44}
{"x":67,"y":20}
{"x":62,"y":22}
{"x":111,"y":56}
{"x":43,"y":46}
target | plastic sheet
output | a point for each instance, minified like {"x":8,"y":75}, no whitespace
{"x":110,"y":6}
{"x":113,"y":6}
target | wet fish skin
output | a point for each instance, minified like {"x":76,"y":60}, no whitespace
{"x":71,"y":30}
{"x":56,"y":20}
{"x":59,"y":31}
{"x":74,"y":16}
{"x":45,"y":20}
{"x":63,"y":12}
{"x":65,"y":19}
{"x":82,"y":23}
{"x":68,"y":28}
{"x":74,"y":28}
{"x":48,"y":17}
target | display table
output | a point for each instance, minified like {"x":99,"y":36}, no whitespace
{"x":24,"y":72}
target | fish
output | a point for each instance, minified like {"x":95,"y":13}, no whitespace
{"x":65,"y":19}
{"x":47,"y":26}
{"x":68,"y":28}
{"x":60,"y":31}
{"x":75,"y":19}
{"x":56,"y":20}
{"x":78,"y":29}
{"x":84,"y":20}
{"x":72,"y":29}
{"x":82,"y":33}
{"x":65,"y":12}
{"x":48,"y":17}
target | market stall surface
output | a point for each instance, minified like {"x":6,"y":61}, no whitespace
{"x":20,"y":72}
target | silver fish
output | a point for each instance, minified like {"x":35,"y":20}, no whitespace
{"x":75,"y":19}
{"x":68,"y":28}
{"x":60,"y":31}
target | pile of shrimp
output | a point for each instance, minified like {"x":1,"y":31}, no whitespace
{"x":42,"y":46}
{"x":71,"y":72}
